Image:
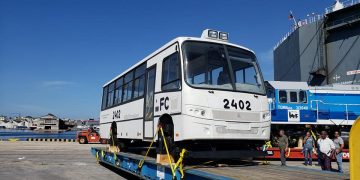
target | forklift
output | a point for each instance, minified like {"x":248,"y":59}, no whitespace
{"x":88,"y":136}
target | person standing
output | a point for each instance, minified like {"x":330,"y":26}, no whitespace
{"x":327,"y":148}
{"x":309,"y":144}
{"x":339,"y":145}
{"x":318,"y":136}
{"x":283,"y":145}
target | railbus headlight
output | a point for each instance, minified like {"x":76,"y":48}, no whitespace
{"x":224,"y":36}
{"x":213,"y":34}
{"x":266,"y":115}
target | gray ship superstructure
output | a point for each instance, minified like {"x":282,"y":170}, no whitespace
{"x":323,"y":49}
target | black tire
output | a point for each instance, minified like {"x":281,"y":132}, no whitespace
{"x":166,"y":122}
{"x":82,"y":140}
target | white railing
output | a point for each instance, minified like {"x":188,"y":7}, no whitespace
{"x":308,"y":20}
{"x":346,"y":106}
{"x":344,"y":3}
{"x":285,"y":37}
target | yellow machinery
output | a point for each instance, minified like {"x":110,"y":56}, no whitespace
{"x":355,"y":150}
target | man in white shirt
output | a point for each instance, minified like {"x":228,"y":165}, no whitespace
{"x":327,"y":148}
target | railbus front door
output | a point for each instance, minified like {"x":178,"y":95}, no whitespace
{"x":149,"y":103}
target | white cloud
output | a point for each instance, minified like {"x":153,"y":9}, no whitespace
{"x":56,"y":83}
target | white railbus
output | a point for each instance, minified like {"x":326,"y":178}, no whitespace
{"x":212,"y":89}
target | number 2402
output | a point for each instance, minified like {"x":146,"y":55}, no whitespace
{"x":240,"y":104}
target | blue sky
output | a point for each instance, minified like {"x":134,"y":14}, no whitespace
{"x":56,"y":55}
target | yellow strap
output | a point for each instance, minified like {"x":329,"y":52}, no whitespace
{"x":147,"y":152}
{"x":179,"y":163}
{"x":313,"y":134}
{"x":167,"y":152}
{"x":102,"y":153}
{"x":267,"y":145}
{"x":115,"y":157}
{"x":181,"y":171}
{"x":97,"y":157}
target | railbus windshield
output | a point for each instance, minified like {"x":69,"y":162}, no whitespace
{"x":216,"y":66}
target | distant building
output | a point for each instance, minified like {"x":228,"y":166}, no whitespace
{"x":66,"y":123}
{"x":28,"y":118}
{"x":3,"y":118}
{"x":81,"y":124}
{"x":48,"y":121}
{"x":4,"y":123}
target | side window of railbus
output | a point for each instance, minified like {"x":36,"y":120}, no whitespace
{"x":171,"y":72}
{"x":302,"y":97}
{"x":105,"y":91}
{"x":118,"y":90}
{"x":139,"y":82}
{"x":110,"y":95}
{"x":282,"y":96}
{"x":128,"y":86}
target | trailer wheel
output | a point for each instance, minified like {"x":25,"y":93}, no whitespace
{"x":82,"y":140}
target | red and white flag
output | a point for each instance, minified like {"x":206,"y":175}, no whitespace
{"x":291,"y":16}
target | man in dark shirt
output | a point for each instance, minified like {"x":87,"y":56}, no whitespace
{"x":283,"y":145}
{"x":339,"y":145}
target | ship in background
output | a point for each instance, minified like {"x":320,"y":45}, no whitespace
{"x":322,"y":49}
{"x":317,"y":77}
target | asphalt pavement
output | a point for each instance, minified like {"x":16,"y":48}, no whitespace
{"x":51,"y":161}
{"x":70,"y":160}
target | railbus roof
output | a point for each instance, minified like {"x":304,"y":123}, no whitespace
{"x":180,"y":40}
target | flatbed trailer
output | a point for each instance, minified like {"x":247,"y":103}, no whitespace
{"x":128,"y":162}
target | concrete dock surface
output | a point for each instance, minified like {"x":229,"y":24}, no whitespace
{"x":51,"y":161}
{"x":70,"y":160}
